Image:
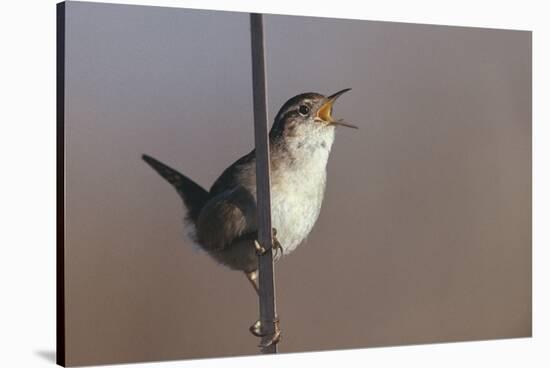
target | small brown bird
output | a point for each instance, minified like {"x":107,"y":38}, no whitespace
{"x":222,"y":221}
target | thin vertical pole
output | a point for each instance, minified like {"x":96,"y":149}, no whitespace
{"x":263,"y":186}
{"x":60,"y":184}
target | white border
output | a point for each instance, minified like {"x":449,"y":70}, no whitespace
{"x":27,"y":188}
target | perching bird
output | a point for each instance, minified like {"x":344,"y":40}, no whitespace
{"x":222,"y":221}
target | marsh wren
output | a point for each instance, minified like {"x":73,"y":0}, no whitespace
{"x":222,"y":221}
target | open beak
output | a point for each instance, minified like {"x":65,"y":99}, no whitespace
{"x":325,"y":111}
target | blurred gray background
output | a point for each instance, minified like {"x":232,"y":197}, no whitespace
{"x":425,"y":232}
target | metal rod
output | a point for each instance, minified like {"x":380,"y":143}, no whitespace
{"x":263,"y":182}
{"x":60,"y":185}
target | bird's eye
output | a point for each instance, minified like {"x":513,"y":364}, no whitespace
{"x":303,"y":110}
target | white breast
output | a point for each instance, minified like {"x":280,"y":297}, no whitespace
{"x":298,"y":190}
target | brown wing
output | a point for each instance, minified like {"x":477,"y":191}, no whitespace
{"x":225,"y":217}
{"x":229,"y":178}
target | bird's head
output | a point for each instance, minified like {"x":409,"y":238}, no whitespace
{"x":306,"y":115}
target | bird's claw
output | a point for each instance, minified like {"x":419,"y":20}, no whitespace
{"x":260,"y":249}
{"x":277,"y":246}
{"x":256,"y":330}
{"x":275,"y":339}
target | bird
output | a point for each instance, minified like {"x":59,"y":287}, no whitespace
{"x":222,"y":221}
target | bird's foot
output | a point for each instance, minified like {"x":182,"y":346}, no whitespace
{"x":260,"y":249}
{"x":257,"y":330}
{"x":276,"y":245}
